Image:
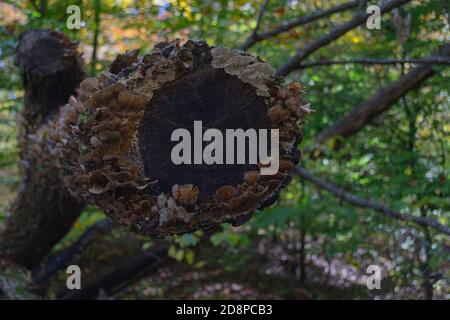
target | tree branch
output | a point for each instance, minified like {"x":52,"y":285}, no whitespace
{"x":257,"y":37}
{"x":124,"y":275}
{"x":63,"y":258}
{"x":260,"y":16}
{"x":385,"y":97}
{"x":371,"y":61}
{"x":359,"y":19}
{"x":254,"y":35}
{"x":350,"y":198}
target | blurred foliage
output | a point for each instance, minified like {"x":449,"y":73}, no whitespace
{"x":400,"y":159}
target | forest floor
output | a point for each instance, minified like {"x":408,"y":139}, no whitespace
{"x":266,"y":268}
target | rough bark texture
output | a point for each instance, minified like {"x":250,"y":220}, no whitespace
{"x":359,"y":116}
{"x":43,"y":211}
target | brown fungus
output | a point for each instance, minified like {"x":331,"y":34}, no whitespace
{"x":123,"y":122}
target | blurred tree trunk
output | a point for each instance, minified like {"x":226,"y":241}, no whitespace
{"x":42,"y":212}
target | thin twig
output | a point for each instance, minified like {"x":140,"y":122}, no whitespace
{"x":369,"y":61}
{"x":260,"y":16}
{"x":382,"y":100}
{"x":127,"y":273}
{"x":254,"y":35}
{"x":62,"y":259}
{"x":360,"y":18}
{"x":286,"y":26}
{"x":352,"y":199}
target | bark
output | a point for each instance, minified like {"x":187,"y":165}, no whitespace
{"x":43,"y":211}
{"x":382,"y":100}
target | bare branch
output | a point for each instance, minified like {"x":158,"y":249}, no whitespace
{"x":260,"y":16}
{"x":385,"y":97}
{"x":369,"y":61}
{"x":352,"y":199}
{"x":286,"y":26}
{"x":254,"y":35}
{"x":359,"y":19}
{"x":63,"y":258}
{"x":132,"y":270}
{"x":125,"y":274}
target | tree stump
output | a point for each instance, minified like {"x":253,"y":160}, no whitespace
{"x":111,"y":144}
{"x":116,"y":144}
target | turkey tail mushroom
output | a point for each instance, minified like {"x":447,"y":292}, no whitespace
{"x":114,"y":144}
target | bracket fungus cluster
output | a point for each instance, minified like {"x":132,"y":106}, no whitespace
{"x":112,"y":144}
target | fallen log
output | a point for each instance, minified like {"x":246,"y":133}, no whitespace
{"x":112,"y":144}
{"x":115,"y":145}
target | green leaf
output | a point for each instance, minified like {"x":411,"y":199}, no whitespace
{"x":189,"y":256}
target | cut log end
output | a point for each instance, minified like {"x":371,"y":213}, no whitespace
{"x":51,"y":69}
{"x":217,"y":99}
{"x":122,"y":161}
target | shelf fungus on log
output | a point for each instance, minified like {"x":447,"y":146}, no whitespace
{"x":115,"y":144}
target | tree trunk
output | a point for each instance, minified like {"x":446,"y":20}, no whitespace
{"x":43,"y":211}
